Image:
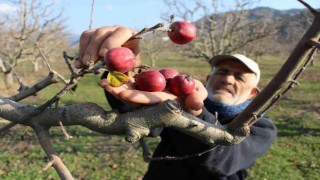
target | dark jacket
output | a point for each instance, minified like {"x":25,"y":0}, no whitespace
{"x":221,"y":163}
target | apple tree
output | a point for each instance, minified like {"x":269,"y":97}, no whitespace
{"x":136,"y":124}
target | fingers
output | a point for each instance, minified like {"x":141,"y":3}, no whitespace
{"x":84,"y":42}
{"x":128,"y":94}
{"x":85,"y":39}
{"x":193,"y":103}
{"x":201,"y":90}
{"x":145,"y":97}
{"x":113,"y":90}
{"x":96,"y":42}
{"x":118,"y":37}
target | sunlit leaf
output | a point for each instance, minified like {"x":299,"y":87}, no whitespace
{"x":116,"y":78}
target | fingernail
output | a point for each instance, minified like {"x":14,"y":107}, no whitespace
{"x":102,"y":83}
{"x":86,"y":59}
{"x":77,"y":64}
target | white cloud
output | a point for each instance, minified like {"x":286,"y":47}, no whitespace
{"x":109,"y":8}
{"x":7,"y":8}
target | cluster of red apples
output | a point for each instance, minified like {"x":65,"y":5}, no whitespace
{"x":122,"y":59}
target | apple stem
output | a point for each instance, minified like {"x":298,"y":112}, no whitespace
{"x":188,"y":77}
{"x":171,"y":18}
{"x":157,"y":27}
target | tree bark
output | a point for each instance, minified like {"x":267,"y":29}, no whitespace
{"x":133,"y":125}
{"x":8,"y":79}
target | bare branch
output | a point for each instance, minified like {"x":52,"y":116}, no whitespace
{"x":312,"y":10}
{"x":64,"y":131}
{"x":157,"y":27}
{"x":182,"y":157}
{"x":22,"y":86}
{"x":51,"y":78}
{"x":91,"y":15}
{"x":44,"y":139}
{"x":133,"y":125}
{"x":42,"y":55}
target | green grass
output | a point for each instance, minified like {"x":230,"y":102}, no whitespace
{"x":294,"y":155}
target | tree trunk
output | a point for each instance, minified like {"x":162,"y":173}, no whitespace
{"x":35,"y":66}
{"x":153,"y":60}
{"x":8,"y":79}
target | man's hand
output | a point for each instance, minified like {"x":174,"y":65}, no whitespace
{"x":192,"y":103}
{"x":95,"y":43}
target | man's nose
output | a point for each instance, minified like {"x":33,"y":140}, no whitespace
{"x":229,"y":79}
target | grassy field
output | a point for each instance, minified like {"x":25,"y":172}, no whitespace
{"x":89,"y":155}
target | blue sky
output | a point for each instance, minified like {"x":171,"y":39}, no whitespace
{"x":135,"y":14}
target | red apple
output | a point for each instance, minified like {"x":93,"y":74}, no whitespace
{"x":150,"y":80}
{"x":168,"y":73}
{"x":181,"y":32}
{"x":182,"y":84}
{"x":120,"y":59}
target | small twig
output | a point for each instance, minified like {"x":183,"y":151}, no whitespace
{"x":62,"y":127}
{"x":49,"y":164}
{"x":182,"y":157}
{"x":65,"y":81}
{"x":157,"y":27}
{"x":91,"y":16}
{"x":64,"y":131}
{"x":43,"y":56}
{"x":66,"y":57}
{"x":171,"y":18}
{"x":22,"y":86}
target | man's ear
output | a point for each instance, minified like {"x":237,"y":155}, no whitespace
{"x":255,"y":91}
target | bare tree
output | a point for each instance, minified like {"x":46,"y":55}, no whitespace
{"x":154,"y":45}
{"x":137,"y":124}
{"x":220,"y":32}
{"x":33,"y":21}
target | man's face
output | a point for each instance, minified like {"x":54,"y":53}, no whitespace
{"x":231,"y":83}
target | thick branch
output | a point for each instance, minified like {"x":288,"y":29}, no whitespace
{"x":133,"y":125}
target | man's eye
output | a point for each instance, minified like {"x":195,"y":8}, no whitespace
{"x":222,"y":71}
{"x":239,"y":77}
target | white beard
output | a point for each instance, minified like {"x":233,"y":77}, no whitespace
{"x":216,"y":97}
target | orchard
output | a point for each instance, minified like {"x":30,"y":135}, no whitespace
{"x":120,"y":62}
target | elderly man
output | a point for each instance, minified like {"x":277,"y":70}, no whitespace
{"x":231,"y":85}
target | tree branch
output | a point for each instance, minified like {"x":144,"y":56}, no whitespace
{"x":133,"y":125}
{"x":44,"y":140}
{"x":50,"y":79}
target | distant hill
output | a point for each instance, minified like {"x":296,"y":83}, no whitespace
{"x":291,"y":24}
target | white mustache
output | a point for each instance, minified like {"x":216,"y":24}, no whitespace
{"x":229,"y":89}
